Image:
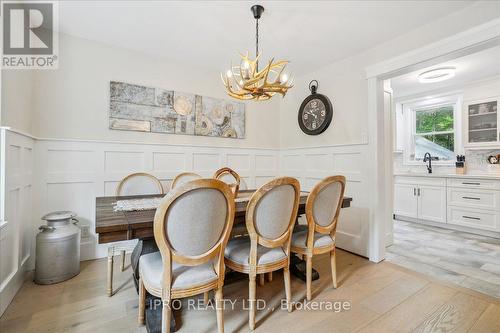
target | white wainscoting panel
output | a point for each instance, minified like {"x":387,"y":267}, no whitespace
{"x":310,"y":165}
{"x":71,"y":174}
{"x":17,"y":229}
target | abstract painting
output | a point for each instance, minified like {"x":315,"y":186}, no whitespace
{"x":145,"y":109}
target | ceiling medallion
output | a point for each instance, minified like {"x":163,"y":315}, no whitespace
{"x":247,"y":82}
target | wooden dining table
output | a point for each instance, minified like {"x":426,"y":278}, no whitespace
{"x":113,"y":226}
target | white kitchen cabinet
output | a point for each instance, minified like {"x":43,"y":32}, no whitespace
{"x":431,"y":203}
{"x":420,"y":198}
{"x":405,"y":200}
{"x":482,"y":123}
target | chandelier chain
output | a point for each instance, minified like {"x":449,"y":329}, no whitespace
{"x":257,"y":42}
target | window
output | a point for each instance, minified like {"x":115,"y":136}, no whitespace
{"x":434,"y":132}
{"x":432,"y":125}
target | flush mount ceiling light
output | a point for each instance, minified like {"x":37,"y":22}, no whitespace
{"x":437,"y":75}
{"x":247,"y":82}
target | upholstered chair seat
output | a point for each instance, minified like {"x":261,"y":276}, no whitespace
{"x":151,"y":271}
{"x":238,"y":251}
{"x":320,"y":240}
{"x":191,"y":227}
{"x":270,"y":216}
{"x":139,"y":183}
{"x":322,"y":213}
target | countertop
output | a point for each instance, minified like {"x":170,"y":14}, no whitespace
{"x":448,"y":175}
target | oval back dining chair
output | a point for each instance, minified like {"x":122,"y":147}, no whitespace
{"x":231,"y":177}
{"x":183,"y":178}
{"x":270,"y":216}
{"x":139,"y":183}
{"x":322,"y":211}
{"x":191,"y":227}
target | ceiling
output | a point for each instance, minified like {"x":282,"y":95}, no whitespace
{"x":310,"y":34}
{"x":474,"y":67}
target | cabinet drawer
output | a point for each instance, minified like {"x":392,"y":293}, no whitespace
{"x":473,"y":218}
{"x":487,"y":184}
{"x":485,"y":199}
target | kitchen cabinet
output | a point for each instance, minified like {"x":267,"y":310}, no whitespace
{"x":482,"y":123}
{"x":420,"y":198}
{"x":473,"y":203}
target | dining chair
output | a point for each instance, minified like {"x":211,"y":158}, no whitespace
{"x":231,"y":177}
{"x":183,"y":178}
{"x":139,"y":183}
{"x":191,"y":228}
{"x":322,"y":212}
{"x":270,"y":216}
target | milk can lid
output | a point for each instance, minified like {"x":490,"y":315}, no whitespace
{"x":59,"y":215}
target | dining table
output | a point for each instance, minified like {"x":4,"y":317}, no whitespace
{"x":114,"y":225}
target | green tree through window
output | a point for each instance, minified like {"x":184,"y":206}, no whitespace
{"x":434,"y":132}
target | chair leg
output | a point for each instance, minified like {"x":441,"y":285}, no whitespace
{"x":252,"y":299}
{"x":122,"y":266}
{"x":288,"y":289}
{"x":220,"y":310}
{"x":110,"y":272}
{"x":142,"y":302}
{"x":308,"y":278}
{"x":333,"y":262}
{"x":205,"y":297}
{"x":166,"y":316}
{"x":270,"y":276}
{"x":262,"y":280}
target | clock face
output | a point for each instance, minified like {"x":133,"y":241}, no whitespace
{"x":315,"y":114}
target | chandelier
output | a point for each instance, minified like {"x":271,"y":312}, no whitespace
{"x":247,"y":82}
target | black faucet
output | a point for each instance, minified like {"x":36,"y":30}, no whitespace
{"x":428,"y":158}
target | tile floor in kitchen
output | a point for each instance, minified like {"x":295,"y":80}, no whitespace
{"x":468,"y":260}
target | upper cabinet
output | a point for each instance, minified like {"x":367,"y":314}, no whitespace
{"x":482,"y":123}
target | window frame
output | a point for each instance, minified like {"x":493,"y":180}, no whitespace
{"x":409,"y":112}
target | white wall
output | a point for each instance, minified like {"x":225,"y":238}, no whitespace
{"x":72,"y":102}
{"x":17,"y":99}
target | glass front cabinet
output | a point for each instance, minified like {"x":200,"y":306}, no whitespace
{"x":482,"y":123}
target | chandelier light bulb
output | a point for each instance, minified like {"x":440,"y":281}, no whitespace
{"x":284,"y":78}
{"x":245,"y":65}
{"x":229,"y":73}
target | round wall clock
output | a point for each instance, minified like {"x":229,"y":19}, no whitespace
{"x":315,"y":112}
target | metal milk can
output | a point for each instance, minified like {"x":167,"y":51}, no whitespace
{"x":57,"y":248}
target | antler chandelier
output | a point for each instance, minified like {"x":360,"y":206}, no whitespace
{"x":247,"y":82}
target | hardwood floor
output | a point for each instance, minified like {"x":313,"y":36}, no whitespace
{"x":383,"y":298}
{"x":471,"y":261}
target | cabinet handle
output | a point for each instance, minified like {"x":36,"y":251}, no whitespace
{"x":471,"y":198}
{"x":470,"y":217}
{"x":414,"y":191}
{"x":418,"y":192}
{"x":466,"y":183}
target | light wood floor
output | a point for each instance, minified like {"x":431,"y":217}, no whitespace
{"x":468,"y":260}
{"x":384,"y":298}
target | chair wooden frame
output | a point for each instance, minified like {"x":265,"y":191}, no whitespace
{"x":169,"y":255}
{"x":142,"y":174}
{"x":182,"y":174}
{"x":123,"y":249}
{"x":233,"y":173}
{"x":252,"y":269}
{"x":309,"y":251}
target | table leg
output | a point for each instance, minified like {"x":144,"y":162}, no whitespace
{"x":152,"y":315}
{"x":298,"y":269}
